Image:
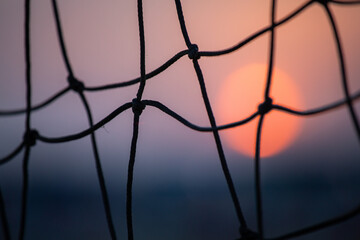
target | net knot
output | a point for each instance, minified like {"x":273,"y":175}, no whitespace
{"x":75,"y":84}
{"x":194,"y":52}
{"x":247,"y":234}
{"x":30,"y":137}
{"x":137,"y":106}
{"x":266,"y":106}
{"x":323,"y":2}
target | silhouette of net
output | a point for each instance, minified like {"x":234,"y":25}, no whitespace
{"x":31,"y":136}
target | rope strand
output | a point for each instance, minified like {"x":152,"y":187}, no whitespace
{"x":350,"y":106}
{"x":193,"y":49}
{"x":5,"y":224}
{"x":137,"y":107}
{"x":99,"y":170}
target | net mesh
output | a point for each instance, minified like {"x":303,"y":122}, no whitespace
{"x":138,"y":105}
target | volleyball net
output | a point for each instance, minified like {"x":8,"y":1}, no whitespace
{"x":138,"y":105}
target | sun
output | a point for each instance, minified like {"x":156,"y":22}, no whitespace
{"x":239,"y":97}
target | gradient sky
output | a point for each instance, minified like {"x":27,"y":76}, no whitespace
{"x":102,"y":42}
{"x":103,"y":47}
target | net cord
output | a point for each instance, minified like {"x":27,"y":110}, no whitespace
{"x":138,"y":105}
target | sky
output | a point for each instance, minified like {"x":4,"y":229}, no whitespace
{"x":175,"y":166}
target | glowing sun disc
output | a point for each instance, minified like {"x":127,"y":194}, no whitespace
{"x":239,"y":97}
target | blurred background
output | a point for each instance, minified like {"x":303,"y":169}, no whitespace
{"x":179,"y":190}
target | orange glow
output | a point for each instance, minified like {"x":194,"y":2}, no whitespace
{"x":239,"y":97}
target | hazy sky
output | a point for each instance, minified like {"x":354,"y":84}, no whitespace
{"x":103,"y":47}
{"x":102,"y":41}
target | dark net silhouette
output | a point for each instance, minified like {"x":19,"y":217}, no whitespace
{"x":31,"y":136}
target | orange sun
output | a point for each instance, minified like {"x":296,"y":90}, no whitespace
{"x":239,"y":97}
